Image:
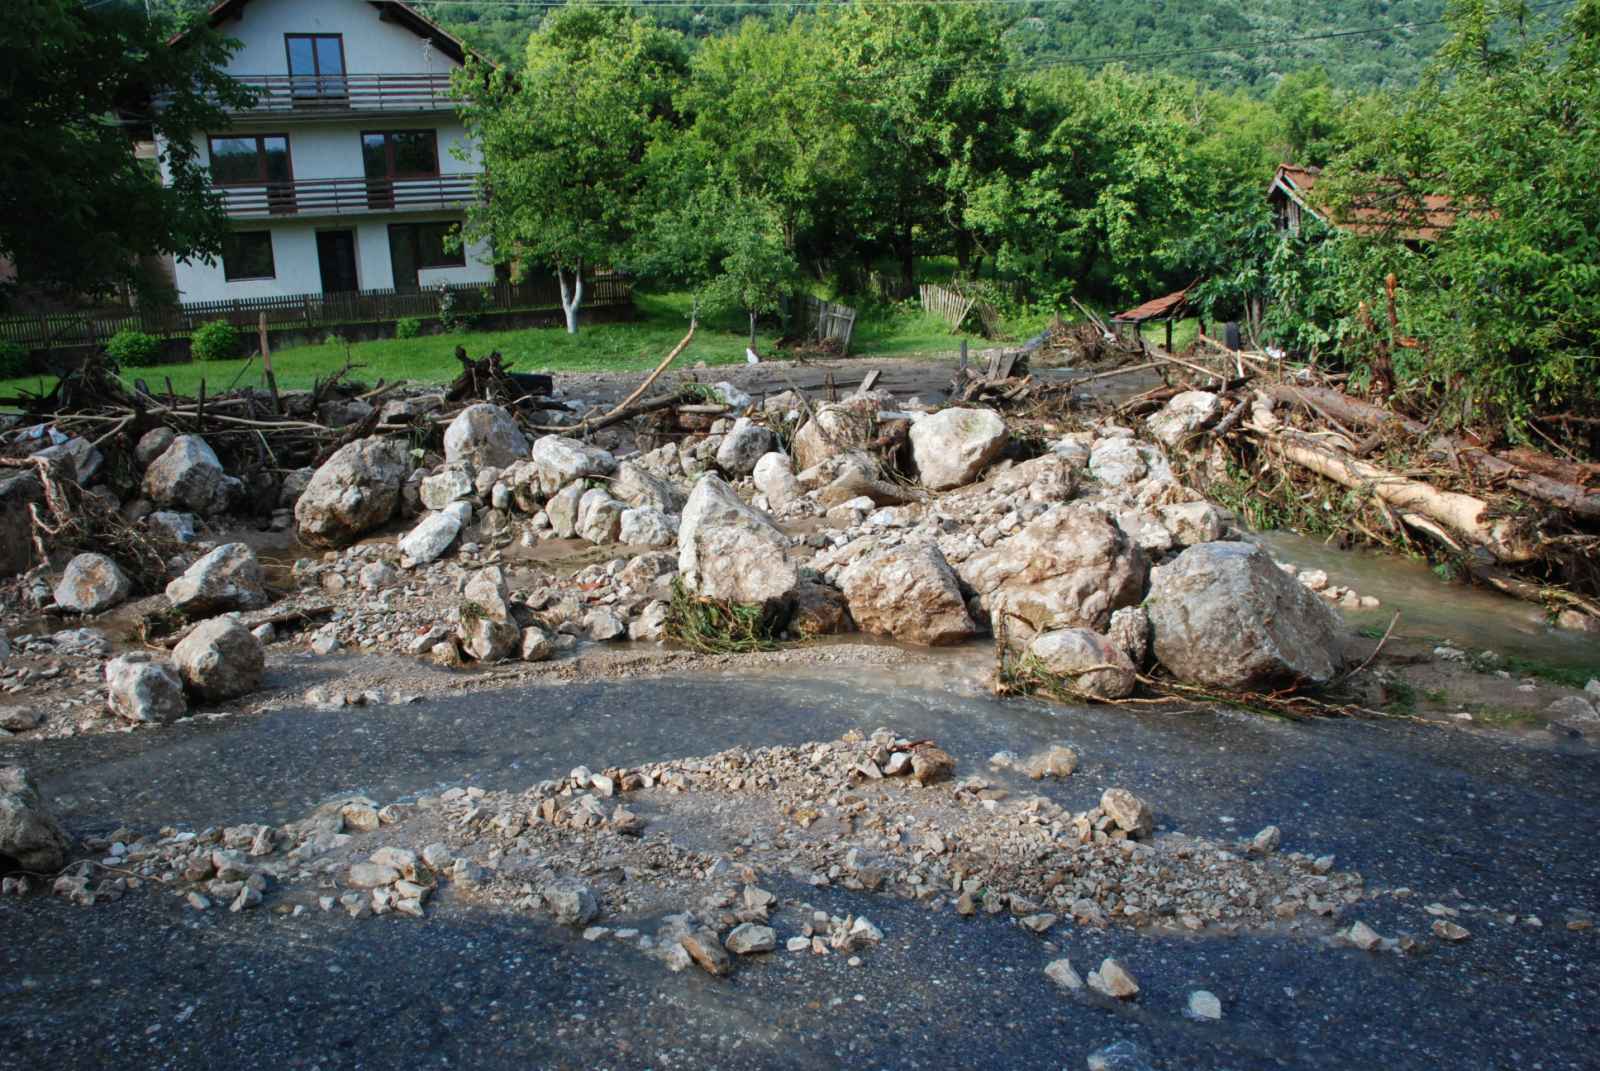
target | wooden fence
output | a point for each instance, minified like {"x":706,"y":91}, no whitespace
{"x":308,"y":310}
{"x":948,"y":305}
{"x":824,"y":319}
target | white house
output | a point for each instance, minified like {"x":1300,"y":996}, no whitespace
{"x":345,"y":175}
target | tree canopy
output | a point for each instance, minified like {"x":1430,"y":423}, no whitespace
{"x":78,"y":209}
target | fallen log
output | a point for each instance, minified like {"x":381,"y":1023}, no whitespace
{"x":1578,"y":500}
{"x":1464,"y":515}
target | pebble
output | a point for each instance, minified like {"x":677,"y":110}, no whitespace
{"x":1114,"y":980}
{"x":1203,"y":1004}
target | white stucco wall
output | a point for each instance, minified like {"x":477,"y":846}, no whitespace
{"x":371,"y":46}
{"x":326,"y":148}
{"x":333,"y":150}
{"x":294,"y":252}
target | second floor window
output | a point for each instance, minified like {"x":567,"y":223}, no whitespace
{"x":251,"y":160}
{"x":400,"y":154}
{"x":316,"y":65}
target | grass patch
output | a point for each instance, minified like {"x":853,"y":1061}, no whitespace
{"x":900,"y":330}
{"x":714,"y":626}
{"x":1517,"y":666}
{"x":1399,"y":697}
{"x":1505,"y":717}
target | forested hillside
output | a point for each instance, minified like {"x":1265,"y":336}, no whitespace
{"x":1223,"y":43}
{"x":1362,"y":44}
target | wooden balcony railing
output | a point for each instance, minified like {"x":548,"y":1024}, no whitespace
{"x":349,"y":196}
{"x":280,"y":94}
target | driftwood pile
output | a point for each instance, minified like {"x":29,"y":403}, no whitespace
{"x":1521,"y":521}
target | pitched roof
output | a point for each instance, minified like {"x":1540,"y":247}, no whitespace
{"x":1424,"y":222}
{"x":392,"y":10}
{"x":1156,"y":308}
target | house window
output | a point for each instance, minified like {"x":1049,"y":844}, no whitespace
{"x":251,"y":160}
{"x":400,"y":154}
{"x":248,"y":255}
{"x":416,"y":246}
{"x":316,"y":66}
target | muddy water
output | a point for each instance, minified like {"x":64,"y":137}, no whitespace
{"x":1433,"y":609}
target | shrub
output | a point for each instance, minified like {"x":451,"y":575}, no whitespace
{"x":130,"y":347}
{"x":215,"y":341}
{"x":13,"y":360}
{"x":407,"y":327}
{"x":333,"y":338}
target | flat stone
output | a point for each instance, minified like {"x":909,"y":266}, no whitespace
{"x":749,"y":938}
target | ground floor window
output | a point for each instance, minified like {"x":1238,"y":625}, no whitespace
{"x":415,"y":246}
{"x":248,"y":255}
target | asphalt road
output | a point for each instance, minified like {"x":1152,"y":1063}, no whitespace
{"x":1470,"y":820}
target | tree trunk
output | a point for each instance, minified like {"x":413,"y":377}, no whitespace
{"x":571,"y":297}
{"x":906,"y":251}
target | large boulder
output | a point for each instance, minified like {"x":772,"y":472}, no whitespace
{"x":78,"y":459}
{"x":562,"y":509}
{"x":836,"y":428}
{"x":774,"y":477}
{"x":730,"y":550}
{"x":355,"y":491}
{"x":30,"y":837}
{"x":91,"y":584}
{"x":17,"y":493}
{"x":189,"y":476}
{"x":907,"y":592}
{"x":638,"y":486}
{"x":219,"y":659}
{"x":647,"y":527}
{"x":1090,"y":663}
{"x":228,"y":578}
{"x":743,"y":446}
{"x":143,"y":690}
{"x":599,"y":516}
{"x":483,"y":435}
{"x":487,"y":629}
{"x":1068,"y":568}
{"x":449,"y":484}
{"x":562,"y":461}
{"x":430,"y":538}
{"x":1184,"y":414}
{"x":1225,"y":616}
{"x":951,"y":447}
{"x":152,"y":444}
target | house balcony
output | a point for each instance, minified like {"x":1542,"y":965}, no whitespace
{"x":305,"y":198}
{"x":346,"y":95}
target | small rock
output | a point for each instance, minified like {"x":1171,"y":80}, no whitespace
{"x":1266,"y":842}
{"x":748,"y":938}
{"x":1203,"y":1004}
{"x":1113,"y":980}
{"x":1450,"y":931}
{"x":1062,"y":974}
{"x":1130,"y":813}
{"x":92,"y":584}
{"x":704,"y":948}
{"x":1362,"y":936}
{"x":570,"y":901}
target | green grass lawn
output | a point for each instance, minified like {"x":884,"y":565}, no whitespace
{"x":899,"y":331}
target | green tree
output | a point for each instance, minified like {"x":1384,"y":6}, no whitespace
{"x":565,"y":141}
{"x":1503,"y":136}
{"x":935,"y":118}
{"x":768,"y":119}
{"x":77,"y":208}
